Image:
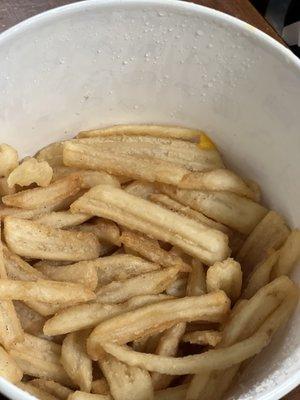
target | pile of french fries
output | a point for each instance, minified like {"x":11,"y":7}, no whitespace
{"x":135,"y":266}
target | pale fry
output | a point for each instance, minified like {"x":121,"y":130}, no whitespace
{"x":62,"y":219}
{"x":151,"y":250}
{"x":197,"y":385}
{"x":75,"y":360}
{"x":225,"y":275}
{"x":56,"y":389}
{"x":34,"y":240}
{"x":171,"y":393}
{"x":31,"y":321}
{"x":261,"y":275}
{"x":51,"y":153}
{"x":9,"y":369}
{"x":100,"y":386}
{"x":203,"y":338}
{"x":105,"y":230}
{"x":269,"y":234}
{"x":51,"y":195}
{"x":5,"y":189}
{"x":42,"y":348}
{"x":140,"y":189}
{"x":45,"y":291}
{"x":196,"y":284}
{"x":148,"y":283}
{"x":36,"y":391}
{"x":179,"y":287}
{"x":288,"y":256}
{"x":125,"y":382}
{"x":22,"y":213}
{"x":209,"y":245}
{"x":239,"y":213}
{"x":155,"y":318}
{"x":78,"y":395}
{"x":30,"y":171}
{"x":8,"y":159}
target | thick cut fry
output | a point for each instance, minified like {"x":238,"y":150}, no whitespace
{"x":86,"y":316}
{"x":196,"y":284}
{"x":51,"y":195}
{"x":31,"y":171}
{"x":125,"y":382}
{"x":9,"y":369}
{"x":269,"y":234}
{"x":52,"y":154}
{"x":55,"y":389}
{"x":289,"y":255}
{"x":35,"y":391}
{"x":119,"y":267}
{"x":105,"y":230}
{"x":30,"y":239}
{"x":204,"y":338}
{"x":5,"y":189}
{"x":261,"y":275}
{"x":75,"y":360}
{"x":237,"y":212}
{"x":175,"y":132}
{"x":155,"y":318}
{"x":78,"y":395}
{"x":151,"y":250}
{"x":89,"y":178}
{"x":31,"y":321}
{"x":172,"y":393}
{"x":62,"y":219}
{"x":100,"y":386}
{"x":8,"y":159}
{"x":47,"y":291}
{"x":225,"y":275}
{"x":140,"y":189}
{"x":149,"y":283}
{"x":86,"y":276}
{"x":167,"y":346}
{"x":209,"y":245}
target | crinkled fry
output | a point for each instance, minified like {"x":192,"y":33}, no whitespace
{"x":155,"y":318}
{"x":31,"y":171}
{"x":56,"y":389}
{"x":209,"y":245}
{"x":34,"y":240}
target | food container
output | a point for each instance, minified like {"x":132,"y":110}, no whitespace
{"x":96,"y":63}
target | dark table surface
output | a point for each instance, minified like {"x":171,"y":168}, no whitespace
{"x":14,"y":11}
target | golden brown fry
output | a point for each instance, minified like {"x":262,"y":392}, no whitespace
{"x":288,"y":256}
{"x":162,"y":131}
{"x":196,"y":285}
{"x":31,"y":171}
{"x":86,"y":276}
{"x":51,"y":153}
{"x":30,"y":239}
{"x":167,"y":346}
{"x":140,"y":189}
{"x":51,"y":195}
{"x":151,"y":250}
{"x":269,"y":234}
{"x":261,"y":275}
{"x":148,"y":283}
{"x":36,"y":391}
{"x":172,"y":393}
{"x":78,"y":395}
{"x":9,"y":368}
{"x":8,"y":159}
{"x":204,"y":338}
{"x":125,"y":382}
{"x":62,"y":219}
{"x":156,"y":318}
{"x":225,"y":275}
{"x":105,"y":230}
{"x":56,"y":389}
{"x":31,"y":321}
{"x":75,"y":360}
{"x":237,"y":212}
{"x":100,"y":386}
{"x":46,"y":291}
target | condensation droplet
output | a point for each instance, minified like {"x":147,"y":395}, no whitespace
{"x":199,"y":33}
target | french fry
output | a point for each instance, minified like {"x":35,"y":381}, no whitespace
{"x":105,"y":230}
{"x":42,"y":348}
{"x":55,"y":389}
{"x":239,"y":213}
{"x":5,"y":189}
{"x":86,"y":316}
{"x":35,"y":391}
{"x":197,"y":385}
{"x":51,"y":195}
{"x":52,"y":154}
{"x":78,"y":395}
{"x":22,"y":213}
{"x":125,"y":382}
{"x":148,"y":283}
{"x":140,"y":189}
{"x":204,"y":338}
{"x":100,"y":386}
{"x":288,"y":256}
{"x":179,"y":287}
{"x":62,"y":219}
{"x":31,"y":321}
{"x":75,"y":360}
{"x":86,"y":276}
{"x":89,"y":178}
{"x":45,"y":291}
{"x":155,"y":318}
{"x":269,"y":234}
{"x":261,"y":275}
{"x":30,"y":171}
{"x":34,"y":240}
{"x":9,"y":369}
{"x":174,"y":132}
{"x":225,"y":275}
{"x":8,"y":159}
{"x":151,"y":250}
{"x":172,"y":393}
{"x":196,"y":284}
{"x":167,"y":346}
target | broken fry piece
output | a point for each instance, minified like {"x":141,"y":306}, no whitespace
{"x":31,"y":171}
{"x":204,"y":338}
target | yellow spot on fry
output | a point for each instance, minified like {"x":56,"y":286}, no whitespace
{"x":205,"y":142}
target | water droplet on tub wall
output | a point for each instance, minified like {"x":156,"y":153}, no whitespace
{"x":199,"y":32}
